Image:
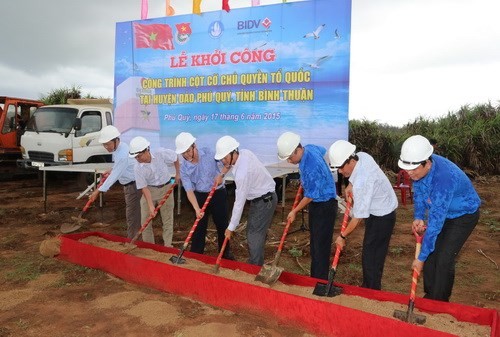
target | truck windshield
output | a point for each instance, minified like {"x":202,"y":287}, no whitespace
{"x":52,"y":119}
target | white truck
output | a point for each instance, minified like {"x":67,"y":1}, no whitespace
{"x":66,"y":134}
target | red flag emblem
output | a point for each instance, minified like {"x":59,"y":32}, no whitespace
{"x":155,"y":36}
{"x":183,"y":28}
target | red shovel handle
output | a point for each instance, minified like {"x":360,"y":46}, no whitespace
{"x":345,"y":220}
{"x":285,"y":231}
{"x":89,"y":202}
{"x":414,"y":278}
{"x":219,"y":258}
{"x":207,"y":201}
{"x":148,"y":220}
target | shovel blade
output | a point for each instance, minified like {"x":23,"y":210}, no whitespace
{"x":409,"y":317}
{"x":69,"y":228}
{"x":321,"y":289}
{"x":128,"y":247}
{"x":269,"y":274}
{"x":177,"y":259}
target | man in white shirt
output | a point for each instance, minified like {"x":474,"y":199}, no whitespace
{"x":152,"y":176}
{"x":254,"y":183}
{"x":374,"y":200}
{"x":123,"y":172}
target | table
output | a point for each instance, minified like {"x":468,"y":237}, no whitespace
{"x":96,"y":168}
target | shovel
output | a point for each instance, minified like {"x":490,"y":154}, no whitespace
{"x":270,"y":273}
{"x":178,"y":259}
{"x":131,"y":245}
{"x":219,"y":258}
{"x":328,"y":289}
{"x":409,"y":316}
{"x":79,"y":221}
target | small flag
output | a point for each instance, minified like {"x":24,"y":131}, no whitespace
{"x":255,"y":2}
{"x":196,"y":7}
{"x":225,"y":5}
{"x":169,"y":10}
{"x":155,"y":36}
{"x":144,"y":9}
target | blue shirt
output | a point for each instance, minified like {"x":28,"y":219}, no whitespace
{"x":315,"y":175}
{"x":200,"y":176}
{"x":123,"y":168}
{"x":443,"y":193}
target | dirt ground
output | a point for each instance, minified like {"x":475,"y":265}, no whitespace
{"x":42,"y":296}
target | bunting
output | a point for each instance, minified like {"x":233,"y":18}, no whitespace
{"x":196,"y":7}
{"x":144,"y":9}
{"x":169,"y":10}
{"x":225,"y":5}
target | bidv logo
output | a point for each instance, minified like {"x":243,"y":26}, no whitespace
{"x":254,"y":24}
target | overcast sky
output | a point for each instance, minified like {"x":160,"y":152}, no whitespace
{"x":409,"y":58}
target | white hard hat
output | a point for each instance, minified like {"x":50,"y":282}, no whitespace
{"x":224,"y":146}
{"x":415,"y":150}
{"x":339,"y":152}
{"x":137,"y":145}
{"x":183,"y":141}
{"x":108,"y":133}
{"x":287,"y":143}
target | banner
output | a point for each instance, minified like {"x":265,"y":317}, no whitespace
{"x":252,"y":73}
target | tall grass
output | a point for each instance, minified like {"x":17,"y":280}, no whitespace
{"x":469,"y":137}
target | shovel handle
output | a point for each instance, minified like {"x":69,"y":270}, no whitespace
{"x":345,"y":220}
{"x":205,"y":204}
{"x":89,"y":202}
{"x":414,"y":278}
{"x":149,"y":218}
{"x":219,"y":257}
{"x":288,"y":223}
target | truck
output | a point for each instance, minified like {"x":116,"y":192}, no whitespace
{"x":66,"y":134}
{"x":14,"y":115}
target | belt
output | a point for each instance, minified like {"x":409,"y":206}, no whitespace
{"x":159,"y":186}
{"x":265,"y":197}
{"x":130,"y":183}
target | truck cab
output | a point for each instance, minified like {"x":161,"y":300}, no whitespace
{"x":66,"y":134}
{"x":14,"y":115}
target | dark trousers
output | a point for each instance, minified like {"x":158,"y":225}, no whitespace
{"x":321,"y":222}
{"x":439,"y":268}
{"x":217,"y":207}
{"x":132,"y":209}
{"x":378,"y":231}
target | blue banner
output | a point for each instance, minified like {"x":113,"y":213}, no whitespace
{"x":252,"y":73}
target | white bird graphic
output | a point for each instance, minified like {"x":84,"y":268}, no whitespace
{"x":319,"y":61}
{"x":262,"y":45}
{"x":337,"y":35}
{"x":315,"y":34}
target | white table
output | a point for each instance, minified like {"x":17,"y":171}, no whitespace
{"x":96,"y":168}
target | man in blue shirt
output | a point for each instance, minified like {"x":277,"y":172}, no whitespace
{"x":446,"y":198}
{"x":199,"y":170}
{"x":319,"y":194}
{"x":123,"y":172}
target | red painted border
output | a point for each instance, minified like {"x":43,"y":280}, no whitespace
{"x":315,"y":316}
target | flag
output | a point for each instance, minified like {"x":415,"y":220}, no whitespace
{"x":196,"y":7}
{"x":144,"y":9}
{"x":183,"y":28}
{"x":155,"y":36}
{"x":255,"y":2}
{"x":225,"y":5}
{"x":169,"y":10}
